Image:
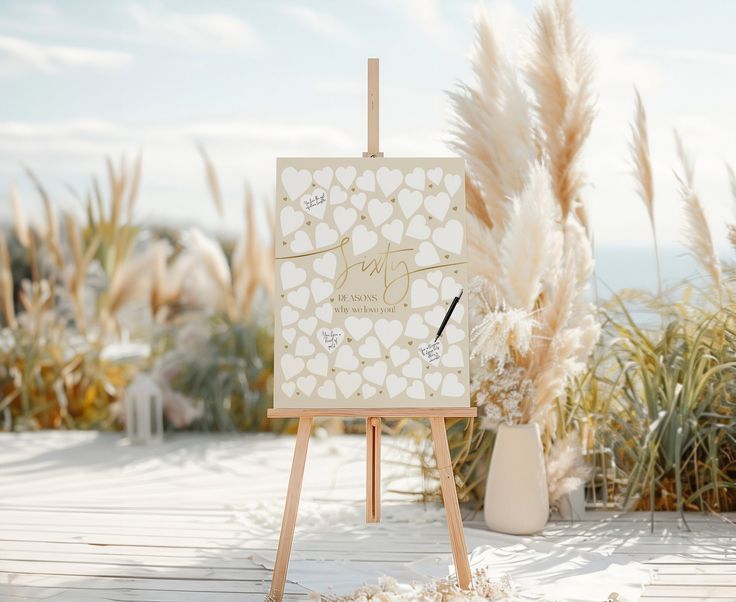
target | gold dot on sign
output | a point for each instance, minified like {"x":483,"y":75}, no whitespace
{"x":313,"y":184}
{"x":362,"y":217}
{"x":331,"y":300}
{"x":350,"y":340}
{"x":455,"y":271}
{"x":297,"y":392}
{"x":353,"y":189}
{"x":358,"y":394}
{"x":385,"y":356}
{"x":431,"y":394}
{"x":282,"y":295}
{"x":284,"y":199}
{"x":393,"y":200}
{"x":430,"y":217}
{"x":284,"y":243}
{"x":447,"y":257}
{"x":309,"y":223}
{"x":380,"y":392}
{"x":454,"y":208}
{"x":459,"y":371}
{"x":431,"y":185}
{"x":405,"y":304}
{"x":363,"y":362}
{"x":411,"y":342}
{"x":286,"y":346}
{"x":333,"y":369}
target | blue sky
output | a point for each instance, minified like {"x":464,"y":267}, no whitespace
{"x":256,"y":80}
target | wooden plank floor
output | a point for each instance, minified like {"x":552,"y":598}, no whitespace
{"x":83,"y":516}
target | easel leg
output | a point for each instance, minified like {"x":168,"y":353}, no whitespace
{"x":290,"y":510}
{"x":449,"y":497}
{"x":373,"y":470}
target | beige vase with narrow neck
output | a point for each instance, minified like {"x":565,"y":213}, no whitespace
{"x":516,"y":499}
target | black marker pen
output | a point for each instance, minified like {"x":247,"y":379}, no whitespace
{"x":449,"y":313}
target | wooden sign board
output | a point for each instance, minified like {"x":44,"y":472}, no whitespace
{"x":370,"y":253}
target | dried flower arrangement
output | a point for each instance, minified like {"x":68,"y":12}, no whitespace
{"x":534,"y":326}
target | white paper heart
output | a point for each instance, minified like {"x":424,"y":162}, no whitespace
{"x":291,"y":275}
{"x":288,"y":388}
{"x":358,"y":200}
{"x":416,"y":328}
{"x":307,"y":325}
{"x":458,"y":314}
{"x":346,"y":175}
{"x":427,"y":255}
{"x":288,"y":315}
{"x":388,"y":331}
{"x":453,"y":334}
{"x":415,"y":179}
{"x":315,"y":203}
{"x":304,"y":348}
{"x":295,"y":182}
{"x":325,"y":265}
{"x":418,"y":228}
{"x":321,"y":289}
{"x":453,"y":357}
{"x":345,"y":358}
{"x":395,"y":384}
{"x":433,"y":379}
{"x":324,"y":236}
{"x":327,"y":390}
{"x":393,"y":231}
{"x":367,"y":181}
{"x":451,"y":386}
{"x":435,"y":175}
{"x":422,"y":295}
{"x":450,"y":287}
{"x":379,"y":211}
{"x":291,"y":366}
{"x":368,"y":391}
{"x":344,"y":218}
{"x":306,"y":384}
{"x":337,"y":195}
{"x":413,"y":369}
{"x":358,"y":327}
{"x":370,"y":349}
{"x":348,"y":382}
{"x":323,"y":177}
{"x":416,"y":390}
{"x":318,"y":365}
{"x":324,"y":312}
{"x":452,"y":183}
{"x":434,"y":316}
{"x":291,"y":220}
{"x":299,"y":298}
{"x":376,"y":373}
{"x":438,"y":205}
{"x":434,"y":277}
{"x":363,"y":239}
{"x":330,"y":338}
{"x":302,"y":243}
{"x":289,"y":334}
{"x":409,"y":201}
{"x":431,"y":353}
{"x":449,"y":237}
{"x":398,"y":355}
{"x":388,"y":179}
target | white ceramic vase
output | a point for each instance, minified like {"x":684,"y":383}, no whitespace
{"x":516,"y":499}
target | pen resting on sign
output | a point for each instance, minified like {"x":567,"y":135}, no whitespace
{"x":448,"y":314}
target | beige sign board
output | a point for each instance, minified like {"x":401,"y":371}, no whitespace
{"x":370,"y":254}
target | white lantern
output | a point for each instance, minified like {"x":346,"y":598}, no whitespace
{"x":144,"y":414}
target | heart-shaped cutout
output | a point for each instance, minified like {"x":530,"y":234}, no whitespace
{"x":330,"y":338}
{"x":431,"y":352}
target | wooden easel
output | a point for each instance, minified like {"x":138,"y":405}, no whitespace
{"x":373,"y":438}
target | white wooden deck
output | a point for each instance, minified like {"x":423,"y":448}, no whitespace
{"x":83,"y":516}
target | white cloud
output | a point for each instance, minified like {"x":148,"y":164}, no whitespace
{"x":17,"y":55}
{"x":323,"y":23}
{"x":201,"y":31}
{"x":426,"y":15}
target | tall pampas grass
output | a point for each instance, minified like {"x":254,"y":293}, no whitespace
{"x":697,"y":234}
{"x":639,"y":148}
{"x":527,"y":231}
{"x":732,"y":226}
{"x":560,"y":74}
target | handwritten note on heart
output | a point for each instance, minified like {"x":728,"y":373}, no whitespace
{"x":330,"y":338}
{"x":431,"y":352}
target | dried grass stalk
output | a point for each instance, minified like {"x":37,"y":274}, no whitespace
{"x":19,"y":218}
{"x":6,"y":283}
{"x":560,"y":74}
{"x":639,"y":147}
{"x":492,"y":130}
{"x":212,"y":181}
